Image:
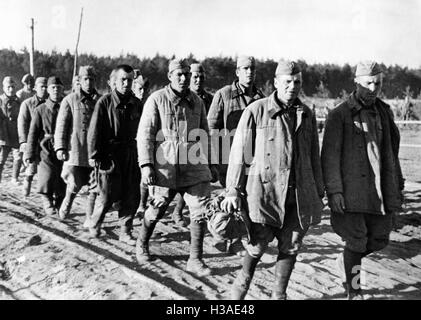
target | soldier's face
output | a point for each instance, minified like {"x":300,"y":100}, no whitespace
{"x":246,"y":75}
{"x":41,"y":90}
{"x":197,"y":81}
{"x":29,"y":86}
{"x":9,"y":90}
{"x":87,"y":83}
{"x":369,"y":87}
{"x":288,"y":87}
{"x":55,"y":91}
{"x":123,"y":81}
{"x":139,"y":90}
{"x":180,"y":79}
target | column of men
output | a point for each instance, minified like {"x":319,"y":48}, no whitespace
{"x":135,"y":151}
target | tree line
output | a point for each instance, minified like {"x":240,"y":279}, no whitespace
{"x":319,"y":80}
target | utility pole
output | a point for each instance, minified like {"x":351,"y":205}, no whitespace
{"x":77,"y":43}
{"x":31,"y":52}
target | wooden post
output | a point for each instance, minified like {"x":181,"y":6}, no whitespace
{"x":77,"y":44}
{"x":32,"y":50}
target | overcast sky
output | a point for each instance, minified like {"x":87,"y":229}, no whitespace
{"x":335,"y":31}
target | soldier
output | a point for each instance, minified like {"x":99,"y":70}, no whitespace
{"x":111,"y":81}
{"x":70,"y":140}
{"x":41,"y":137}
{"x":24,"y":121}
{"x":362,"y":173}
{"x":172,"y":119}
{"x":227,"y":106}
{"x":197,"y":82}
{"x":141,"y":91}
{"x":9,"y":141}
{"x":226,"y":109}
{"x":112,"y":151}
{"x":27,"y":91}
{"x":276,"y":136}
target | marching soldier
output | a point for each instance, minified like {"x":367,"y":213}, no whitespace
{"x":362,"y":173}
{"x":112,"y":151}
{"x":71,"y":139}
{"x":9,"y":141}
{"x":41,"y":137}
{"x":172,"y":119}
{"x":27,"y":91}
{"x":24,"y":121}
{"x":277,"y":138}
{"x":197,"y":82}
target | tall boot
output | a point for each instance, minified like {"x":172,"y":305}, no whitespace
{"x":1,"y":169}
{"x":242,"y":282}
{"x":142,"y":244}
{"x":195,"y":263}
{"x":66,"y":205}
{"x":177,"y":214}
{"x":16,"y":170}
{"x":48,"y":204}
{"x":27,"y":185}
{"x":90,"y":204}
{"x":144,"y":194}
{"x":352,"y":264}
{"x":283,"y":270}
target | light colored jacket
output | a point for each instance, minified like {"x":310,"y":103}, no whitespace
{"x":166,"y":139}
{"x":72,"y":127}
{"x":25,"y":115}
{"x":263,"y":146}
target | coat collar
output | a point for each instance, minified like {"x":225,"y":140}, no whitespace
{"x":275,"y":106}
{"x":356,"y":106}
{"x":83,"y":97}
{"x":51,"y":105}
{"x":176,"y":99}
{"x":7,"y":99}
{"x":116,"y":99}
{"x":237,"y":91}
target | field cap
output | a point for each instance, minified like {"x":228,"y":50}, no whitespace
{"x":42,"y":80}
{"x":367,"y":68}
{"x":177,"y":64}
{"x":54,"y":81}
{"x":196,"y":67}
{"x":245,"y":61}
{"x":7,"y":81}
{"x":141,"y":80}
{"x":287,"y":67}
{"x":27,"y":78}
{"x":87,"y":71}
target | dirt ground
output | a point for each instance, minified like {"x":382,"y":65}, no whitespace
{"x":45,"y":258}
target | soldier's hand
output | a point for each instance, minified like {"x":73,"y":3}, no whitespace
{"x":215,"y":173}
{"x":62,"y":155}
{"x":337,"y":203}
{"x":230,"y":204}
{"x":148,"y":175}
{"x":22,"y":147}
{"x":93,"y":163}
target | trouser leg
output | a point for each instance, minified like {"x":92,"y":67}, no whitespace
{"x":352,"y":264}
{"x":177,"y":215}
{"x":4,"y":153}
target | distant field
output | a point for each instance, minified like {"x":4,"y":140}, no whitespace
{"x":410,"y":157}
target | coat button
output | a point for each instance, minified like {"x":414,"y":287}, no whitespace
{"x":268,"y":153}
{"x":267,"y":167}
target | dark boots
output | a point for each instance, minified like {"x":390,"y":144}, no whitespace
{"x":283,"y":270}
{"x":242,"y":282}
{"x":177,"y":214}
{"x":352,"y":264}
{"x":1,"y":169}
{"x":195,"y":263}
{"x":66,"y":205}
{"x":142,"y":244}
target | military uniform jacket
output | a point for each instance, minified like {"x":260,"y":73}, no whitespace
{"x":9,"y":111}
{"x":25,"y":115}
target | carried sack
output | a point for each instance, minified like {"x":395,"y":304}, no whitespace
{"x":227,"y":226}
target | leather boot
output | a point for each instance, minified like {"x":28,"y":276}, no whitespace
{"x":142,"y":243}
{"x":90,"y":205}
{"x":240,"y":286}
{"x":48,"y":204}
{"x":283,"y":270}
{"x":66,"y":205}
{"x":195,"y":263}
{"x":27,"y":186}
{"x":1,"y":169}
{"x":16,"y":170}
